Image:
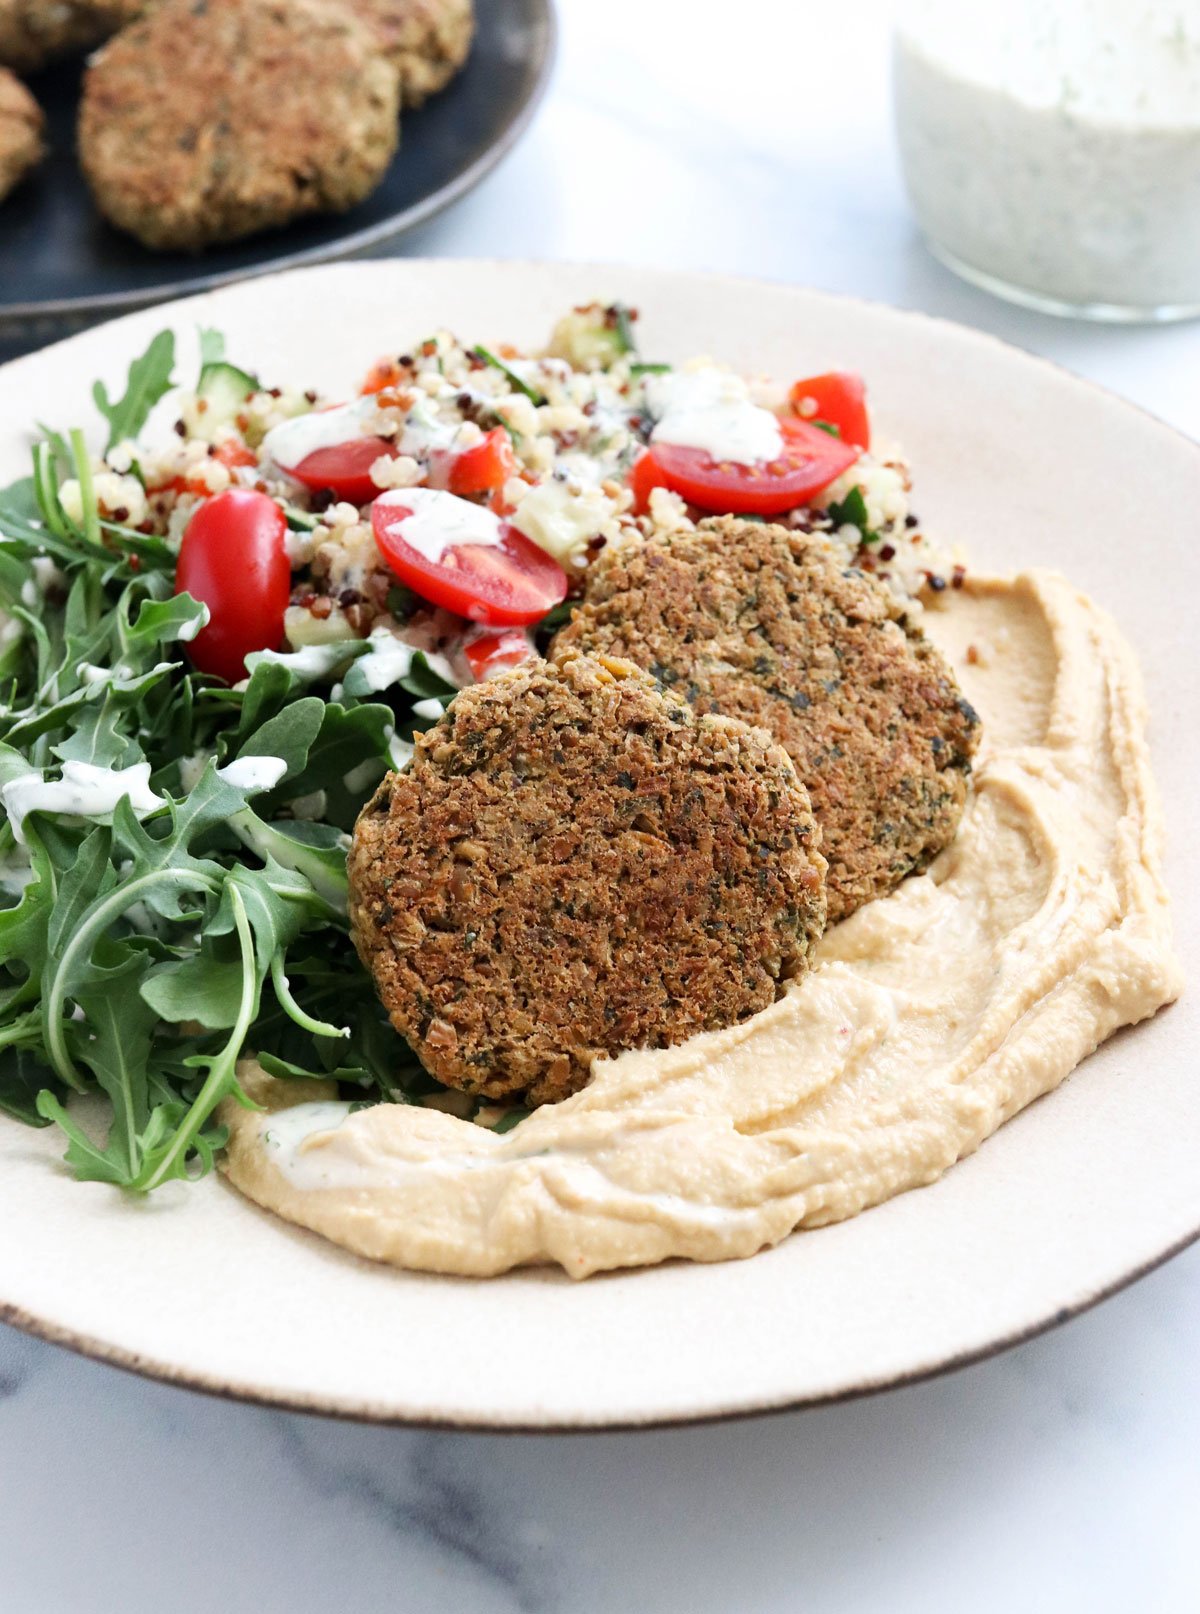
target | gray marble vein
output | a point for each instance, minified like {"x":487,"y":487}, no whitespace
{"x":428,"y":1497}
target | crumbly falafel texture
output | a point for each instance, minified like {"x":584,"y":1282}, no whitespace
{"x":768,"y":625}
{"x":575,"y":864}
{"x":286,"y":109}
{"x":21,"y":132}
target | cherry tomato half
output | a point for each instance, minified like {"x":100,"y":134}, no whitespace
{"x":382,"y":374}
{"x":491,"y":653}
{"x":839,"y":398}
{"x":481,"y":469}
{"x":232,"y":452}
{"x":811,"y":460}
{"x":234,"y":558}
{"x":645,"y":475}
{"x":344,"y":469}
{"x":504,"y":584}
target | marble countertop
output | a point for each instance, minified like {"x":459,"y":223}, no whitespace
{"x":1060,"y":1476}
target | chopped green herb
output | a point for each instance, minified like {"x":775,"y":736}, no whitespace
{"x":622,"y":324}
{"x":852,"y":512}
{"x":511,"y":376}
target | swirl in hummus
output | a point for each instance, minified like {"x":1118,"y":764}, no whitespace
{"x":931,"y":1016}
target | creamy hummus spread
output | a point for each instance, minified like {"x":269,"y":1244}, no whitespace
{"x":931,"y":1017}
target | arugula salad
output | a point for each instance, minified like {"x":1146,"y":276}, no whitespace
{"x":219,"y":633}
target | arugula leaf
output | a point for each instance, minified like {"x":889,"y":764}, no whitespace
{"x":149,"y":379}
{"x":140,"y":960}
{"x":23,"y":1075}
{"x":120,"y":1025}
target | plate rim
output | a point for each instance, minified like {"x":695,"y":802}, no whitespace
{"x":20,"y":318}
{"x":373,"y":1411}
{"x":376,"y":1414}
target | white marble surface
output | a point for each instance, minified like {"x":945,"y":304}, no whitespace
{"x":1062,"y":1476}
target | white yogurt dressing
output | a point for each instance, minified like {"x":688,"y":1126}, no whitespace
{"x":441,"y":521}
{"x":311,"y":663}
{"x":292,"y":441}
{"x":290,"y":1138}
{"x":423,"y":434}
{"x":1054,"y":145}
{"x":253,"y":773}
{"x":710,"y":409}
{"x":84,"y":791}
{"x":389,"y":659}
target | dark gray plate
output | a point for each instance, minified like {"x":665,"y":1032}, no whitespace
{"x":61,"y":265}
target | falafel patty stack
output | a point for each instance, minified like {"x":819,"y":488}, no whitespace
{"x":576,"y":864}
{"x":35,"y":32}
{"x":21,"y":131}
{"x":284,"y":109}
{"x":770,"y":626}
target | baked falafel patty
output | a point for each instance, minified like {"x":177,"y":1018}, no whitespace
{"x":34,"y":32}
{"x":426,"y":40}
{"x":768,"y":625}
{"x":575,"y":864}
{"x":21,"y":126}
{"x":285,"y":109}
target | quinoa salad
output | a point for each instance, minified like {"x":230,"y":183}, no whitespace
{"x":219,"y":634}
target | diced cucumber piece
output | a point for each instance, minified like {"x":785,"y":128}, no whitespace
{"x":224,"y":389}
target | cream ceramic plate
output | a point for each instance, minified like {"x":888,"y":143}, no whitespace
{"x":1073,"y":1198}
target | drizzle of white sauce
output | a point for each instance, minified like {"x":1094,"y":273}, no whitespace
{"x":400,"y":752}
{"x":292,"y":441}
{"x":431,"y":708}
{"x":389,"y":659}
{"x":291,"y":1140}
{"x":253,"y":773}
{"x":45,"y":573}
{"x":191,"y":768}
{"x":367,"y":773}
{"x":188,"y":630}
{"x":310,"y":663}
{"x":424,"y":434}
{"x":441,"y":521}
{"x":710,"y":410}
{"x":84,"y":791}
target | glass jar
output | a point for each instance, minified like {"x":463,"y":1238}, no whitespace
{"x":1051,"y":149}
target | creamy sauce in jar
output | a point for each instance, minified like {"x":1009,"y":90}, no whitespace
{"x":1051,"y":148}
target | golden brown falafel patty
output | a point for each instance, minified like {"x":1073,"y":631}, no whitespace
{"x":427,"y":40}
{"x":768,"y":625}
{"x":21,"y":127}
{"x":575,"y":864}
{"x":34,"y":32}
{"x":285,"y":108}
